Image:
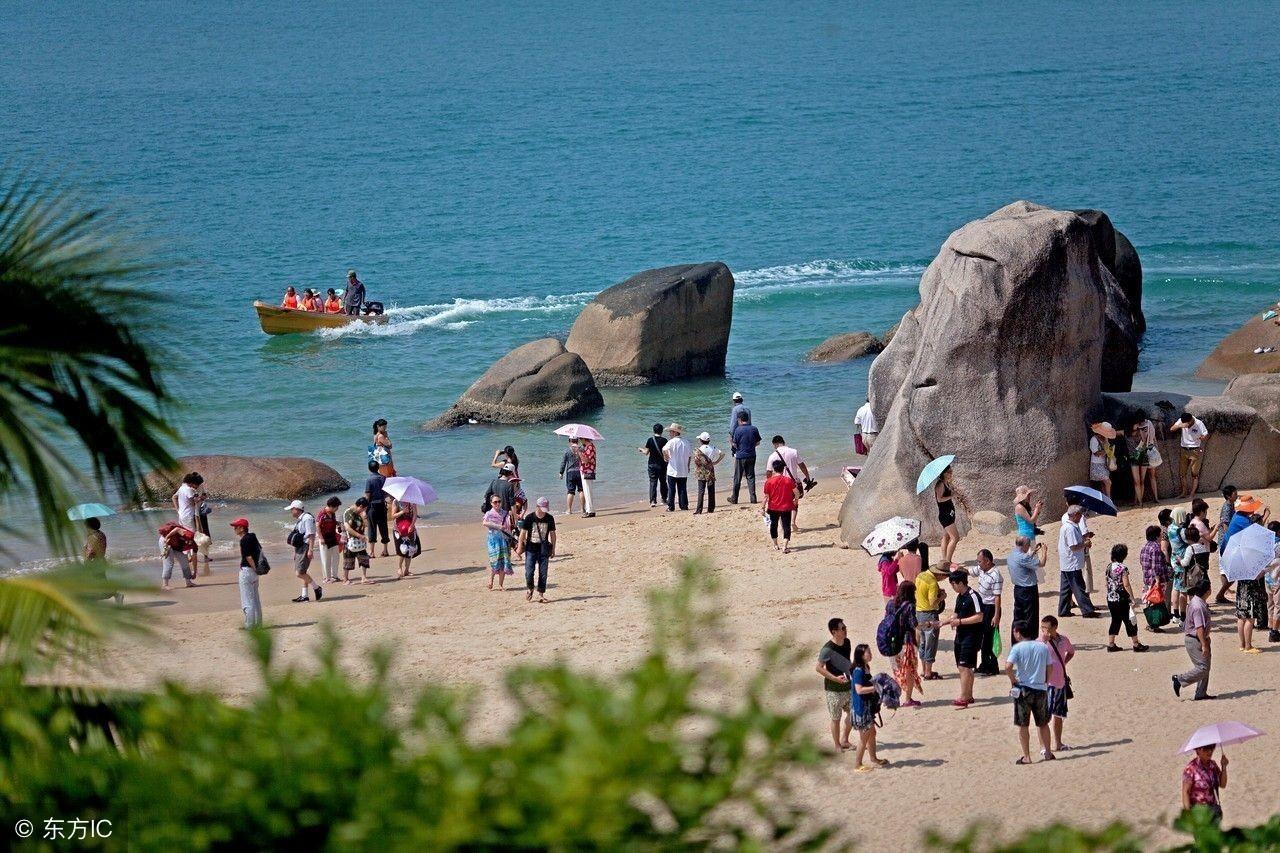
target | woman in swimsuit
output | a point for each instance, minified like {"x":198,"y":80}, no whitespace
{"x":946,"y":494}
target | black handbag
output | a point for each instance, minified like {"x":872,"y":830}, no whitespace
{"x":1070,"y":694}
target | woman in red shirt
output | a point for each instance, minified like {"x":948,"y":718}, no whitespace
{"x":587,"y":462}
{"x":779,"y":501}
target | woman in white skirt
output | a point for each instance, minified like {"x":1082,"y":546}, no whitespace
{"x":1144,"y":457}
{"x":1102,"y":460}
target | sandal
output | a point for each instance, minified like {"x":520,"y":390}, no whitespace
{"x":1023,"y":761}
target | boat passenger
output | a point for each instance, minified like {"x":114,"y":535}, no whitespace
{"x":354,"y":297}
{"x":290,"y":298}
{"x":310,"y":300}
{"x":332,"y":304}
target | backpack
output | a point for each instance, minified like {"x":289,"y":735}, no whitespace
{"x":890,"y":692}
{"x":889,"y":632}
{"x":327,"y":522}
{"x":261,"y":566}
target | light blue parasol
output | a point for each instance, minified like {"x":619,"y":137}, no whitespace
{"x":82,"y":511}
{"x":933,"y":471}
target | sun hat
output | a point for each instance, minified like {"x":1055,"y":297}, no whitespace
{"x":737,"y":396}
{"x":1104,"y":429}
{"x":676,"y":428}
{"x":296,"y":505}
{"x":240,"y":522}
{"x":1248,"y":504}
{"x":1021,"y":493}
{"x":544,"y":503}
{"x":704,"y":436}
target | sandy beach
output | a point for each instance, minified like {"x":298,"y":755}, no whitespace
{"x":949,"y":766}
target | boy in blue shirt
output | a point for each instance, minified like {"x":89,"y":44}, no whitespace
{"x":1028,"y":671}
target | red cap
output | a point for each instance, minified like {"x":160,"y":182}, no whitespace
{"x":241,"y":522}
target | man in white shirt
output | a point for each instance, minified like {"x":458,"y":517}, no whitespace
{"x":990,"y":589}
{"x":185,"y":501}
{"x":793,"y":467}
{"x":677,"y":452}
{"x":303,"y":540}
{"x":1195,"y":437}
{"x":1072,"y":548}
{"x":868,"y":426}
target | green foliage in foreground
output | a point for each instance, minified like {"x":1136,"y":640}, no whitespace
{"x":326,"y":760}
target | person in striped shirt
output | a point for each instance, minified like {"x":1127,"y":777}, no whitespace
{"x":989,"y":587}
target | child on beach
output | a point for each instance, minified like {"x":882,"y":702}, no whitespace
{"x":497,"y":523}
{"x":888,"y":568}
{"x":865,"y":701}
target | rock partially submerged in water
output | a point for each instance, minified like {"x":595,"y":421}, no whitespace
{"x":248,"y":478}
{"x":539,"y":381}
{"x":1021,"y":325}
{"x":1234,"y":355}
{"x":845,"y":347}
{"x":657,"y":326}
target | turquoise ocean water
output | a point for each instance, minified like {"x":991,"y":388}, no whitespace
{"x":488,"y":169}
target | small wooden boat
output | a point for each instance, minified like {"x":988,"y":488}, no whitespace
{"x":284,"y":321}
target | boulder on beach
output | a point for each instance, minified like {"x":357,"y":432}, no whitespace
{"x":660,"y":325}
{"x":1234,"y":355}
{"x":1261,"y":391}
{"x":247,"y":478}
{"x":1243,"y":449}
{"x":845,"y":347}
{"x":539,"y":381}
{"x":1002,"y":363}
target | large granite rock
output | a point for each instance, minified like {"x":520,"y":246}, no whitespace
{"x":1002,"y":363}
{"x":845,"y":347}
{"x":539,"y":381}
{"x":248,"y":478}
{"x":1261,"y":391}
{"x":1234,"y":355}
{"x":1127,"y":269}
{"x":659,"y":325}
{"x":1243,"y":449}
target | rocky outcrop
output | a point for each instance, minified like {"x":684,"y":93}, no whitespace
{"x":248,"y":478}
{"x":1234,"y":355}
{"x":1261,"y":391}
{"x":1243,"y":449}
{"x":1127,"y":269}
{"x":845,"y":347}
{"x":539,"y":381}
{"x":1002,"y":363}
{"x":660,"y":325}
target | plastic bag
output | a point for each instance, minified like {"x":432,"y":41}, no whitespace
{"x":996,"y":646}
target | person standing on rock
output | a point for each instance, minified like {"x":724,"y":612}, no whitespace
{"x":678,"y":455}
{"x":571,"y":471}
{"x":735,"y":414}
{"x":1073,"y":545}
{"x":743,"y":445}
{"x":1026,"y":562}
{"x":380,"y":450}
{"x":705,"y":458}
{"x":1102,"y":460}
{"x":1195,"y":440}
{"x":656,"y":465}
{"x":868,"y":426}
{"x":1145,"y":459}
{"x":946,"y":493}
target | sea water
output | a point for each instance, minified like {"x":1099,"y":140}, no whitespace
{"x":487,"y":169}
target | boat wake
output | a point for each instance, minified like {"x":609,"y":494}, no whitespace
{"x":461,"y":313}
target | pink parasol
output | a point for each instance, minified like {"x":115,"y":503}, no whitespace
{"x":579,"y":431}
{"x":1221,"y":734}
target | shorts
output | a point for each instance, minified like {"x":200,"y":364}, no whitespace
{"x":301,"y":562}
{"x":1058,"y":702}
{"x":865,"y":719}
{"x":967,"y":652}
{"x":947,"y":513}
{"x":1031,"y":704}
{"x":1189,"y":462}
{"x":350,"y":558}
{"x":837,"y":702}
{"x":573,"y":481}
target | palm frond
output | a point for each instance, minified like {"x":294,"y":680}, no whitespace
{"x":60,"y":617}
{"x":79,"y":383}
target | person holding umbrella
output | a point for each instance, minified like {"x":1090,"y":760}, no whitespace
{"x":1073,"y":546}
{"x":946,"y":493}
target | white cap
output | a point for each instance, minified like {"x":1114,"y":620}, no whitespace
{"x":296,"y":505}
{"x":737,"y":396}
{"x":704,"y":436}
{"x":509,"y":467}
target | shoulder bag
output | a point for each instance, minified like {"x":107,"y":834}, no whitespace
{"x":1066,"y":679}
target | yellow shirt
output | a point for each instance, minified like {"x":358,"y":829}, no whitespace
{"x":926,"y":592}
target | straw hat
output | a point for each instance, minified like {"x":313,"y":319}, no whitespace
{"x":676,"y":428}
{"x":1021,"y":493}
{"x":1104,"y":429}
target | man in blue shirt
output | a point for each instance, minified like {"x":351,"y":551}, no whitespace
{"x":743,"y":443}
{"x":738,"y":408}
{"x":1028,"y":671}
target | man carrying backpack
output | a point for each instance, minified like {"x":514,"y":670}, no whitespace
{"x":303,"y":540}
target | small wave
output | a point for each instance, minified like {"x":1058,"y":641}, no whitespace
{"x":757,"y":284}
{"x":459,"y":314}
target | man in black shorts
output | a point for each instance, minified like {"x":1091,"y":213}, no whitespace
{"x":377,"y":499}
{"x":571,"y":470}
{"x":1028,"y":671}
{"x":969,"y":631}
